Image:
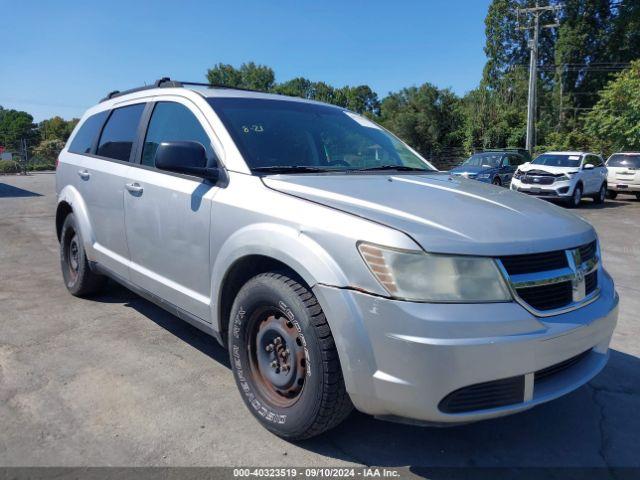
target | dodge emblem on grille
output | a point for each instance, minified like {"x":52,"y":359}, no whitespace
{"x":578,"y":282}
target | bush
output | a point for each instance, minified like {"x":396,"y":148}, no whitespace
{"x":40,"y":167}
{"x":9,"y":166}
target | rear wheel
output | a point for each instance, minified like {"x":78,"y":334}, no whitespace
{"x":284,"y":358}
{"x":78,"y":277}
{"x":612,"y":194}
{"x":601,"y":195}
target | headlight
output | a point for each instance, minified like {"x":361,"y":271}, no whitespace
{"x":517,"y":174}
{"x":425,"y":277}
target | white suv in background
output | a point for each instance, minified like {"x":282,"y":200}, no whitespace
{"x":566,"y":176}
{"x":623,"y":174}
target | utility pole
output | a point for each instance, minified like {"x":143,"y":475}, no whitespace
{"x":535,"y":11}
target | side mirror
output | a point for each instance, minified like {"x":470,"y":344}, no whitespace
{"x":189,"y":158}
{"x":588,"y":166}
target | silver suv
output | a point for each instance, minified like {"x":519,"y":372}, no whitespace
{"x":338,"y":267}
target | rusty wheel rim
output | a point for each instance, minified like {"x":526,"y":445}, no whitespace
{"x":277,"y":357}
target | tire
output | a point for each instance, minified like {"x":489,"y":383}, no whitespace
{"x":278,"y":323}
{"x":496,"y":181}
{"x":600,"y":197}
{"x":576,"y":198}
{"x":79,"y":279}
{"x":612,"y":194}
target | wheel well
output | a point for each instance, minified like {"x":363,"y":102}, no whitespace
{"x":63,"y":210}
{"x":240,"y":273}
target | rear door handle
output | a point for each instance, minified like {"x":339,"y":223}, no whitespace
{"x":84,"y":174}
{"x":134,"y":187}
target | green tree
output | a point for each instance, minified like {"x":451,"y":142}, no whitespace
{"x":257,"y":77}
{"x":224,"y":74}
{"x":495,"y":117}
{"x":506,"y":44}
{"x":428,"y":118}
{"x":56,"y":128}
{"x":14,"y":126}
{"x":249,"y":75}
{"x":297,"y":87}
{"x":48,"y":150}
{"x":614,"y":122}
{"x":360,"y":99}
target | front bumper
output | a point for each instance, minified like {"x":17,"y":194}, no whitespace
{"x":401,"y":359}
{"x":558,"y":189}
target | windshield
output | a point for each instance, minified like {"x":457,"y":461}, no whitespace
{"x":629,"y":161}
{"x":557,"y":160}
{"x":297,"y":137}
{"x":486,"y":160}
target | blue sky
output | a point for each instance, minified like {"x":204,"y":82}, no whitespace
{"x":60,"y":57}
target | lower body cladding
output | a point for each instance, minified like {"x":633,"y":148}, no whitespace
{"x":443,"y":364}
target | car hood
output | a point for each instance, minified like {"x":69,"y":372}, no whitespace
{"x":445,"y":214}
{"x":548,"y":169}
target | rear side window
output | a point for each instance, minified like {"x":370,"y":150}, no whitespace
{"x":83,"y":140}
{"x":120,"y":132}
{"x":629,"y":161}
{"x":173,"y":122}
{"x":515,"y":160}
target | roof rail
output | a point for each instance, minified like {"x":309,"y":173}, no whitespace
{"x":166,"y":82}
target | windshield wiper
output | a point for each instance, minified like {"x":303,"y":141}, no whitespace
{"x":290,"y":169}
{"x":399,"y":168}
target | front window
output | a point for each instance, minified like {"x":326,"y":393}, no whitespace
{"x":285,"y":136}
{"x":558,"y":160}
{"x":629,"y":161}
{"x":484,"y":160}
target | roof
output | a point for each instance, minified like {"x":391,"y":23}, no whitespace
{"x":165,"y":85}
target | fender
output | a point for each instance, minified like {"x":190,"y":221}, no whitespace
{"x":72,"y":196}
{"x":285,"y":244}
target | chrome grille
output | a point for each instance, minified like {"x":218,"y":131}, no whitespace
{"x":550,"y":283}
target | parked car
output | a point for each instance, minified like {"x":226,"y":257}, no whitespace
{"x":337,"y":266}
{"x":492,"y":166}
{"x":623,"y":174}
{"x":565,"y":176}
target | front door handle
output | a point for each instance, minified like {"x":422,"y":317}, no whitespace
{"x":84,"y":174}
{"x":134,"y":187}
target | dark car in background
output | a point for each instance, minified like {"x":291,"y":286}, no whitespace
{"x":492,"y":166}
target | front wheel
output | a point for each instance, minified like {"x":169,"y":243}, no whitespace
{"x":612,"y":194}
{"x":576,"y":198}
{"x":284,"y":358}
{"x":496,"y":181}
